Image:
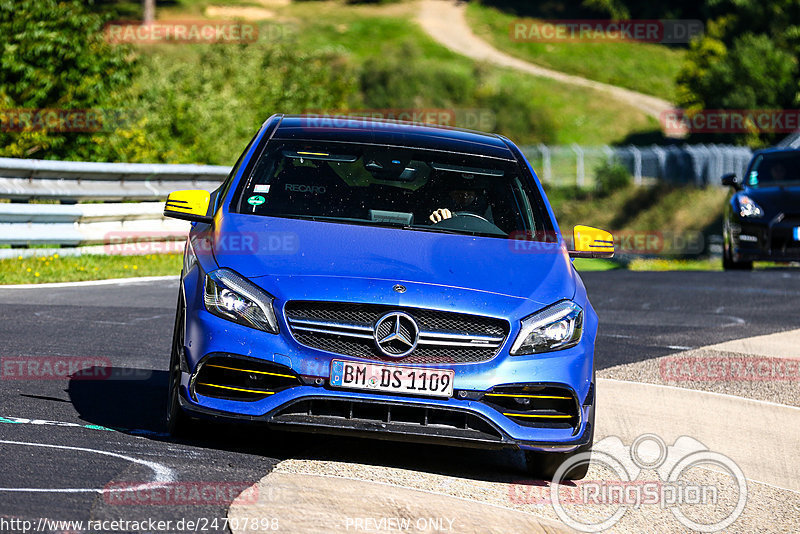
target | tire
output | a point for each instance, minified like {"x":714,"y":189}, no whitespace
{"x":543,"y":465}
{"x":178,"y":423}
{"x":729,"y":265}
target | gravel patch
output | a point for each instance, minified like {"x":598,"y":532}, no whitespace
{"x":718,"y":371}
{"x":767,"y":509}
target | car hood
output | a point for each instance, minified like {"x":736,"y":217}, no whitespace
{"x":777,"y":198}
{"x":318,"y":260}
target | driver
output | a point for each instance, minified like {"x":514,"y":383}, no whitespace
{"x":778,"y":172}
{"x":461,"y":199}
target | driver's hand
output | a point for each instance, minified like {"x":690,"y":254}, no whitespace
{"x":440,"y":215}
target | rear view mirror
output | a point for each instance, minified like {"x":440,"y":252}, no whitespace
{"x":189,"y":205}
{"x":591,"y":243}
{"x":730,"y":180}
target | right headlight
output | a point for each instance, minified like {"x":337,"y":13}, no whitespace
{"x":232,"y":297}
{"x":556,"y":327}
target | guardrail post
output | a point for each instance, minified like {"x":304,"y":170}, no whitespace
{"x":546,"y":167}
{"x":580,"y":175}
{"x":637,"y":165}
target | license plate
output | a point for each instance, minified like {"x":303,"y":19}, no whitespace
{"x":796,"y":233}
{"x":392,"y":378}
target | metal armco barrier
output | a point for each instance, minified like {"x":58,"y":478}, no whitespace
{"x":25,"y":179}
{"x":87,"y":224}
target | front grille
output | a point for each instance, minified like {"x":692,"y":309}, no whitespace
{"x":535,"y":406}
{"x":347,"y":329}
{"x":370,"y":416}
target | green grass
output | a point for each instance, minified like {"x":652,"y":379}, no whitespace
{"x":658,"y":208}
{"x":661,"y":264}
{"x":644,"y":67}
{"x":574,"y":115}
{"x":586,"y":265}
{"x":55,"y":268}
{"x":359,"y":37}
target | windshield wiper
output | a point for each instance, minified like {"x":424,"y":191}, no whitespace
{"x":458,"y":232}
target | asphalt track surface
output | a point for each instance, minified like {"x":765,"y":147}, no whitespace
{"x":642,"y":316}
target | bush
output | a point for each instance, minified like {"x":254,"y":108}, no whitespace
{"x":206,"y":106}
{"x":611,"y":176}
{"x":54,"y":57}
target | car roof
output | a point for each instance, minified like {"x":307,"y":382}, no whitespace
{"x":774,"y":150}
{"x":366,"y":130}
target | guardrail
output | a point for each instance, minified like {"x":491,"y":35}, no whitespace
{"x":26,"y":179}
{"x":112,"y":225}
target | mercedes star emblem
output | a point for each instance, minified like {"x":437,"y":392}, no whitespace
{"x":396,"y":334}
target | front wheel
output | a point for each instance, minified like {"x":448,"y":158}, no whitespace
{"x":178,"y":423}
{"x":729,"y":265}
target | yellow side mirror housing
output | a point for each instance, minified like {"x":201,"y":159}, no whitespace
{"x":592,"y":243}
{"x":189,"y":205}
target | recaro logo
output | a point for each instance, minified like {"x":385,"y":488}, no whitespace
{"x":300,"y":188}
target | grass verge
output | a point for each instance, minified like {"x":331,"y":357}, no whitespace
{"x":55,"y":268}
{"x":644,"y":67}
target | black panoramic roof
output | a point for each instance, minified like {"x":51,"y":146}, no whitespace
{"x":393,"y":133}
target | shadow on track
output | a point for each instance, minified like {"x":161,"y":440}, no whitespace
{"x":133,"y":401}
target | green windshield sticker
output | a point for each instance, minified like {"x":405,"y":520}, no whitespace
{"x":256,"y":200}
{"x":753,"y":179}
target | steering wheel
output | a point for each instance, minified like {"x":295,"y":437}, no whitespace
{"x":470,"y":214}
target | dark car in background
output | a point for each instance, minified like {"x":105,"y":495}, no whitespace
{"x":762,"y":216}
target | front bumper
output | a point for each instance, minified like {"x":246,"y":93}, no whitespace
{"x":464,"y":423}
{"x":464,"y":420}
{"x":772,"y":240}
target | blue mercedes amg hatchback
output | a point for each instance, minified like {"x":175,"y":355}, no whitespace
{"x":388,"y":280}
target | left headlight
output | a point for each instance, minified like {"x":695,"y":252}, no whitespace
{"x":556,"y":327}
{"x":230,"y":296}
{"x":748,"y":207}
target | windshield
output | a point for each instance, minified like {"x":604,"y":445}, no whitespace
{"x":394,"y":187}
{"x":779,"y":168}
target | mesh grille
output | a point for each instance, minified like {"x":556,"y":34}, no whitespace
{"x":368,"y":314}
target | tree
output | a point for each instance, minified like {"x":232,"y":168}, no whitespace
{"x":54,"y":56}
{"x":149,"y":11}
{"x":748,"y":59}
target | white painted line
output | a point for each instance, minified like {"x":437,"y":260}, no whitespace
{"x":162,"y":474}
{"x":110,"y":281}
{"x":132,"y":431}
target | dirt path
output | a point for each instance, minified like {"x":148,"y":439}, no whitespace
{"x":445,"y":21}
